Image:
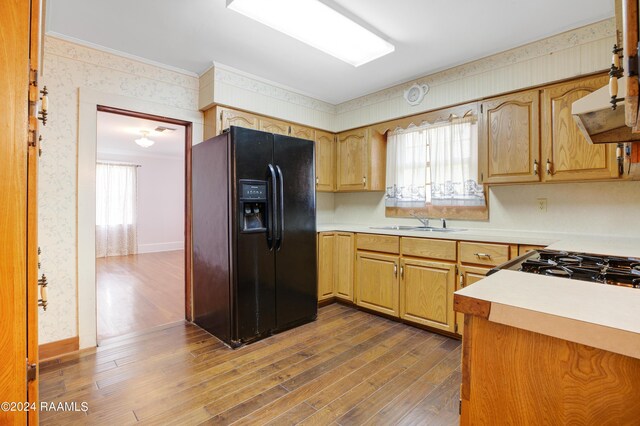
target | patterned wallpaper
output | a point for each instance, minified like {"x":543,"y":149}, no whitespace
{"x":572,"y":53}
{"x":67,"y":67}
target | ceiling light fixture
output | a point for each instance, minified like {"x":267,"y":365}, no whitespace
{"x":317,"y":25}
{"x":143,"y":141}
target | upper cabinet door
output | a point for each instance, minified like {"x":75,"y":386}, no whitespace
{"x":352,"y":160}
{"x":510,"y":138}
{"x":302,"y":132}
{"x":566,"y":154}
{"x":325,"y":160}
{"x":274,"y":126}
{"x":229,"y":117}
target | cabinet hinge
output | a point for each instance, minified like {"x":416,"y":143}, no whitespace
{"x":460,"y":407}
{"x":31,"y":138}
{"x":456,"y":269}
{"x":32,"y":370}
{"x":481,"y":108}
{"x":632,"y":65}
{"x":455,"y":328}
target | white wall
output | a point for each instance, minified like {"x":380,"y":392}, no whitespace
{"x":68,"y":68}
{"x":160,"y":200}
{"x":599,"y":208}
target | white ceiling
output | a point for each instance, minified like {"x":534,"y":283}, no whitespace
{"x":117,"y":133}
{"x":428,"y":35}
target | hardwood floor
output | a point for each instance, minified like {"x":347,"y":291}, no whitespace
{"x":347,"y":368}
{"x":139,"y":292}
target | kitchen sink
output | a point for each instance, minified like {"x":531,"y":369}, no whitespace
{"x":416,"y":228}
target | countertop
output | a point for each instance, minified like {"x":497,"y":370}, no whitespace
{"x":486,"y":235}
{"x":598,"y":315}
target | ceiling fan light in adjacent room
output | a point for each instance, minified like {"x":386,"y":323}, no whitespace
{"x":143,"y":141}
{"x":316,"y":24}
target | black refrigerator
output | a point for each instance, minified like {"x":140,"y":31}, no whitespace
{"x":254,"y":234}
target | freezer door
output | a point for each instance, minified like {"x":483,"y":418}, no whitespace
{"x":296,"y":286}
{"x":254,"y":291}
{"x":211,"y":237}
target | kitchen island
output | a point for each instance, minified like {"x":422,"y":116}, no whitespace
{"x":548,"y":350}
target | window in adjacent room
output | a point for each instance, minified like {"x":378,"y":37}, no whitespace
{"x":116,"y":198}
{"x":432,"y":169}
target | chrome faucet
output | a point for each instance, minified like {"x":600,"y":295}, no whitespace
{"x":423,"y":220}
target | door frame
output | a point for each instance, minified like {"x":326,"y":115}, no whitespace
{"x":188,"y":125}
{"x":91,"y":102}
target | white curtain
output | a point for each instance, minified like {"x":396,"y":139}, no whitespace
{"x":434,"y":164}
{"x":116,"y":199}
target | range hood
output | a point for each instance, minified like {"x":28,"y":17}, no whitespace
{"x":598,"y":122}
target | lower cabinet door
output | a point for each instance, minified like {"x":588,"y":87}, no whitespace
{"x":377,"y":282}
{"x":426,"y":293}
{"x":344,"y":260}
{"x":326,"y":257}
{"x":467,"y":275}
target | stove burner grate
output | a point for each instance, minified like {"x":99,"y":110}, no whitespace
{"x":585,"y":267}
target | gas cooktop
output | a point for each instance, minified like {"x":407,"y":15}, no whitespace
{"x":621,"y":271}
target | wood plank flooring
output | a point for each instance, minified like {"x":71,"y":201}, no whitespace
{"x":139,"y":292}
{"x":346,"y":368}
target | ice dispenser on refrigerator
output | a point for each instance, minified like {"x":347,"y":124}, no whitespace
{"x":253,"y":205}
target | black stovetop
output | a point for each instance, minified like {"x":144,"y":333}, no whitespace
{"x":622,"y":271}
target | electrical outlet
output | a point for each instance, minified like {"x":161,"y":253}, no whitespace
{"x":542,"y":205}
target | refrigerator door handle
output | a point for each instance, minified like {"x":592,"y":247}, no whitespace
{"x":271,"y":222}
{"x":280,"y":230}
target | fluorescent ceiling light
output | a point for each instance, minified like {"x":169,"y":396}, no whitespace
{"x":317,"y":25}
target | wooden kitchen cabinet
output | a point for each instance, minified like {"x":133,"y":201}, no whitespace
{"x":335,"y":265}
{"x":510,"y":138}
{"x":326,"y":258}
{"x":377,"y":282}
{"x":344,"y":265}
{"x":230,"y":117}
{"x":487,"y":254}
{"x":302,"y":132}
{"x":566,"y":154}
{"x":325,"y":161}
{"x":361,"y":160}
{"x":467,"y":275}
{"x":426,"y":293}
{"x":271,"y":125}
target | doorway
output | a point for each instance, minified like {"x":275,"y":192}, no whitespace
{"x":142,"y":222}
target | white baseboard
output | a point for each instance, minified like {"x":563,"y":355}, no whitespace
{"x":153,"y":248}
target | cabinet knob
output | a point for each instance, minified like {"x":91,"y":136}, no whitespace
{"x":395,"y":269}
{"x":548,"y":167}
{"x":535,"y":167}
{"x":461,"y":281}
{"x":364,"y":181}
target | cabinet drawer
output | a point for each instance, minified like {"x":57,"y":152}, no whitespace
{"x":382,"y":243}
{"x":483,"y":253}
{"x":426,"y":247}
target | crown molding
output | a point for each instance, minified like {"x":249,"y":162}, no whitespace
{"x":100,"y":48}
